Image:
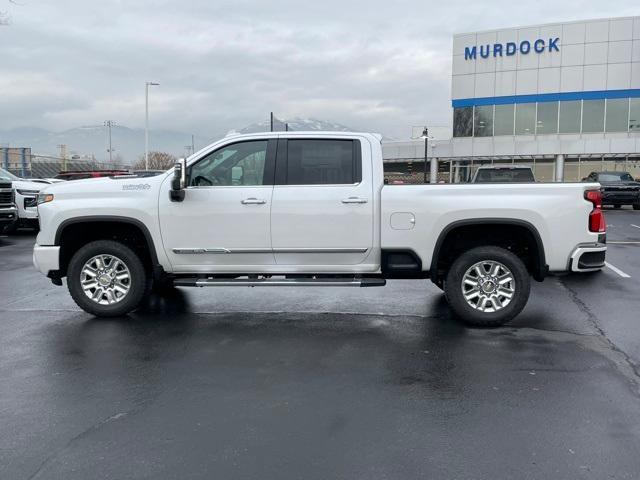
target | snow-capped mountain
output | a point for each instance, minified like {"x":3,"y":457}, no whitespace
{"x":294,"y":124}
{"x":128,"y":143}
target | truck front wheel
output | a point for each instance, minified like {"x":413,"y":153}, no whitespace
{"x":106,"y":278}
{"x":487,"y":286}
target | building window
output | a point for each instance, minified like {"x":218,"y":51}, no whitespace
{"x":617,"y":115}
{"x":463,"y":122}
{"x":547,"y":122}
{"x":634,"y":117}
{"x":483,"y":121}
{"x":525,"y":118}
{"x":503,"y":120}
{"x":592,"y":116}
{"x":570,"y":116}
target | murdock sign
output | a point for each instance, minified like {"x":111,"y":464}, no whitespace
{"x":511,"y":48}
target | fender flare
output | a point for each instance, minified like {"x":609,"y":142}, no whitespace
{"x":541,"y":269}
{"x":112,"y":218}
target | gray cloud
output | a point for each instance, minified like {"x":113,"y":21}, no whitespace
{"x":380,"y":66}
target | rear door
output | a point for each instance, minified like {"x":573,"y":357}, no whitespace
{"x":322,"y":206}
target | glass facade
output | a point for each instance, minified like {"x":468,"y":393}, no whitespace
{"x":463,"y":122}
{"x":525,"y":119}
{"x":616,"y":117}
{"x":503,"y":119}
{"x":483,"y":121}
{"x":570,"y":115}
{"x":634,"y":115}
{"x":548,"y":118}
{"x":593,"y":116}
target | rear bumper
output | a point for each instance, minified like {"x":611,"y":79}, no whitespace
{"x":46,"y":259}
{"x":588,"y":257}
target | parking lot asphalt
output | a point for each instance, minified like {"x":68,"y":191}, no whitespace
{"x":323,"y":383}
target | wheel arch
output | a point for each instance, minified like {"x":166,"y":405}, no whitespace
{"x":538,"y":266}
{"x":141,"y":236}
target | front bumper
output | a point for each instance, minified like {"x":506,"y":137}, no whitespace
{"x":620,"y":198}
{"x":8,"y":215}
{"x":46,"y":258}
{"x":588,"y":257}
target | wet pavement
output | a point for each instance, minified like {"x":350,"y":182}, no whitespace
{"x":322,"y":383}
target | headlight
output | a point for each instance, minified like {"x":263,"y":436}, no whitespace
{"x":32,"y":193}
{"x":45,"y":198}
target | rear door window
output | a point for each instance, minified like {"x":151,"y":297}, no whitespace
{"x":320,"y":162}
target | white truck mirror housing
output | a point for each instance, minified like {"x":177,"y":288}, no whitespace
{"x":179,"y":181}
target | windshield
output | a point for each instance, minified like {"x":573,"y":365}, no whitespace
{"x":9,"y":175}
{"x":615,"y":177}
{"x":505,"y":175}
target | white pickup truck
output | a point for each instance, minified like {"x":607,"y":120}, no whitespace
{"x":296,"y":208}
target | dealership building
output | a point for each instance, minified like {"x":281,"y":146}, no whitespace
{"x":562,"y":98}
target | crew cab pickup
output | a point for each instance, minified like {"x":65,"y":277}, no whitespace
{"x":311,"y":209}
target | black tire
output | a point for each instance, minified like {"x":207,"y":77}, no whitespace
{"x":617,"y":207}
{"x":137,"y":283}
{"x":636,"y":206}
{"x":11,"y":229}
{"x":473,"y":316}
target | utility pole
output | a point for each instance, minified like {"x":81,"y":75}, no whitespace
{"x":146,"y":122}
{"x":193,"y":144}
{"x":109,"y":124}
{"x":271,"y":122}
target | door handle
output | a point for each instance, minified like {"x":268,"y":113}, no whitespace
{"x":354,"y":200}
{"x":253,"y":201}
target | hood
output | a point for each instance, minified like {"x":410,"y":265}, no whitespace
{"x":27,"y":185}
{"x":627,"y":183}
{"x":102,"y":185}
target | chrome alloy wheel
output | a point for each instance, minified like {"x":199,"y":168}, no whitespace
{"x":105,"y":279}
{"x":488,"y":286}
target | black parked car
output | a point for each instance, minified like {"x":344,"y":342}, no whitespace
{"x":618,"y":188}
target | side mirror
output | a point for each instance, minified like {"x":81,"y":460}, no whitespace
{"x":179,"y":181}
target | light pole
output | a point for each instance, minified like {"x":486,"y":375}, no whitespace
{"x":425,"y":135}
{"x":109,"y":124}
{"x":146,"y":123}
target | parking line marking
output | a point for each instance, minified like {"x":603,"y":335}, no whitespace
{"x":635,"y":225}
{"x":617,"y":270}
{"x":624,"y":243}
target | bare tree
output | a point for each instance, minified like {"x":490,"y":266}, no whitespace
{"x":157,"y":161}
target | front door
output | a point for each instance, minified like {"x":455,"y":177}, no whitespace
{"x":223,"y":223}
{"x":322,"y":207}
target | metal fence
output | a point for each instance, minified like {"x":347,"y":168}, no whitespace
{"x":48,"y":167}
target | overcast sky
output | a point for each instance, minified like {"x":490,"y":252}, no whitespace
{"x":372,"y":65}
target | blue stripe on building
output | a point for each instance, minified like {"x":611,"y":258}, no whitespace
{"x":546,"y":97}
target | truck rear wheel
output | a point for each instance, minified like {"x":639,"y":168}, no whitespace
{"x":106,"y":278}
{"x":487,"y":286}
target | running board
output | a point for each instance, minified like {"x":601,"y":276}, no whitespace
{"x":280,"y":282}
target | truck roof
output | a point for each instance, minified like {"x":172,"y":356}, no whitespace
{"x":303,"y":133}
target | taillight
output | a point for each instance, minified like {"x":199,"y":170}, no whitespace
{"x":597,"y":222}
